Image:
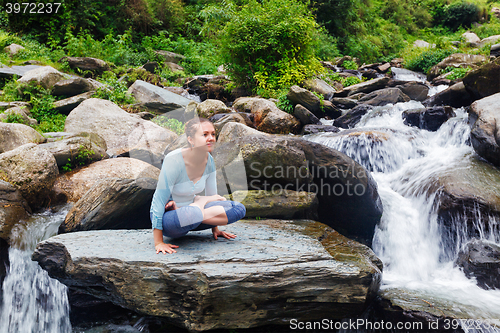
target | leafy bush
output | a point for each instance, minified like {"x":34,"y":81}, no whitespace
{"x":172,"y":124}
{"x":269,"y":45}
{"x":83,"y":157}
{"x":350,"y":64}
{"x":113,"y":90}
{"x":346,"y":81}
{"x":423,"y":59}
{"x":284,"y":103}
{"x":456,"y":73}
{"x":460,"y":14}
{"x":14,"y":118}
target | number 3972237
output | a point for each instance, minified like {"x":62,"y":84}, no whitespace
{"x":32,"y":8}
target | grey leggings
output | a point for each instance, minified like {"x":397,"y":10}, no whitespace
{"x":177,"y":223}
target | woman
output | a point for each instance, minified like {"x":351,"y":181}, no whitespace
{"x":176,"y":209}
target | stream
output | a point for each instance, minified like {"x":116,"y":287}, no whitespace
{"x":418,"y":253}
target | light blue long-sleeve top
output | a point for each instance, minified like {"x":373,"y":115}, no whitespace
{"x":174,"y":184}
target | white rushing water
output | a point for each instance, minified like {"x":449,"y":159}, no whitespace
{"x":32,"y":301}
{"x":406,"y":163}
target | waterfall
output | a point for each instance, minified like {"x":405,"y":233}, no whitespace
{"x":417,"y":251}
{"x":32,"y":301}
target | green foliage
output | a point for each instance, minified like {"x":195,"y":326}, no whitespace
{"x":114,"y":90}
{"x":172,"y":124}
{"x":423,"y":59}
{"x":83,"y":157}
{"x":284,"y":103}
{"x":460,"y":14}
{"x":456,"y":73}
{"x":346,"y":81}
{"x":325,"y":45}
{"x":53,"y":122}
{"x":269,"y":45}
{"x":14,"y":118}
{"x":350,"y":64}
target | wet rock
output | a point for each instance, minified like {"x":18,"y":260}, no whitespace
{"x":94,"y":65}
{"x":32,"y":170}
{"x":481,"y":259}
{"x":156,"y":98}
{"x":65,"y":106}
{"x":4,"y":262}
{"x":304,"y":115}
{"x":484,"y":117}
{"x":123,"y":133}
{"x":283,"y":204}
{"x":455,"y":96}
{"x":344,"y":103}
{"x":150,"y":66}
{"x":495,"y":50}
{"x":313,"y":129}
{"x":77,"y":149}
{"x":45,"y":76}
{"x":414,"y":90}
{"x":364,"y":87}
{"x":13,"y":49}
{"x":270,"y":268}
{"x":210,"y":107}
{"x":457,"y":60}
{"x":304,"y":97}
{"x":273,"y":160}
{"x":112,"y":203}
{"x":320,"y":86}
{"x":71,"y":87}
{"x":72,"y":186}
{"x":13,"y":208}
{"x":330,"y":110}
{"x":384,"y":96}
{"x":428,"y":118}
{"x":266,"y":115}
{"x":483,"y":81}
{"x":352,"y":117}
{"x":401,"y":74}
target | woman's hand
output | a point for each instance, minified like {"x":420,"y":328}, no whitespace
{"x":165,"y":248}
{"x":170,"y":206}
{"x":224,"y":234}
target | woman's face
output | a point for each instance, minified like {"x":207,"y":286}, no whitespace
{"x":204,"y":137}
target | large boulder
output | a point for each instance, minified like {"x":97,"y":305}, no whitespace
{"x":15,"y":135}
{"x":32,"y":170}
{"x":480,"y":259}
{"x":304,"y":97}
{"x":77,"y":149}
{"x":320,"y":86}
{"x":483,"y":81}
{"x":72,"y":87}
{"x":13,"y":49}
{"x":13,"y":208}
{"x":11,"y":72}
{"x":45,"y":76}
{"x":170,"y":56}
{"x":384,"y":96}
{"x":123,"y":133}
{"x":305,"y":116}
{"x":470,"y":38}
{"x":84,"y":64}
{"x":156,"y":98}
{"x":457,"y":60}
{"x":112,"y":203}
{"x":73,"y":185}
{"x":273,"y":272}
{"x":417,"y":91}
{"x":352,"y":117}
{"x":347,"y":194}
{"x":278,"y":204}
{"x":455,"y":96}
{"x":228,"y":118}
{"x":428,"y":118}
{"x":22,"y":112}
{"x":267,"y":117}
{"x":485,"y":131}
{"x":210,"y":107}
{"x":65,"y":106}
{"x":364,"y":87}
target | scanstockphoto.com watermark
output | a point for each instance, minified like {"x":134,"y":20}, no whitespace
{"x":478,"y":325}
{"x":279,"y":179}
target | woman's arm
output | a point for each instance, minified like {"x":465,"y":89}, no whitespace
{"x":160,"y":246}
